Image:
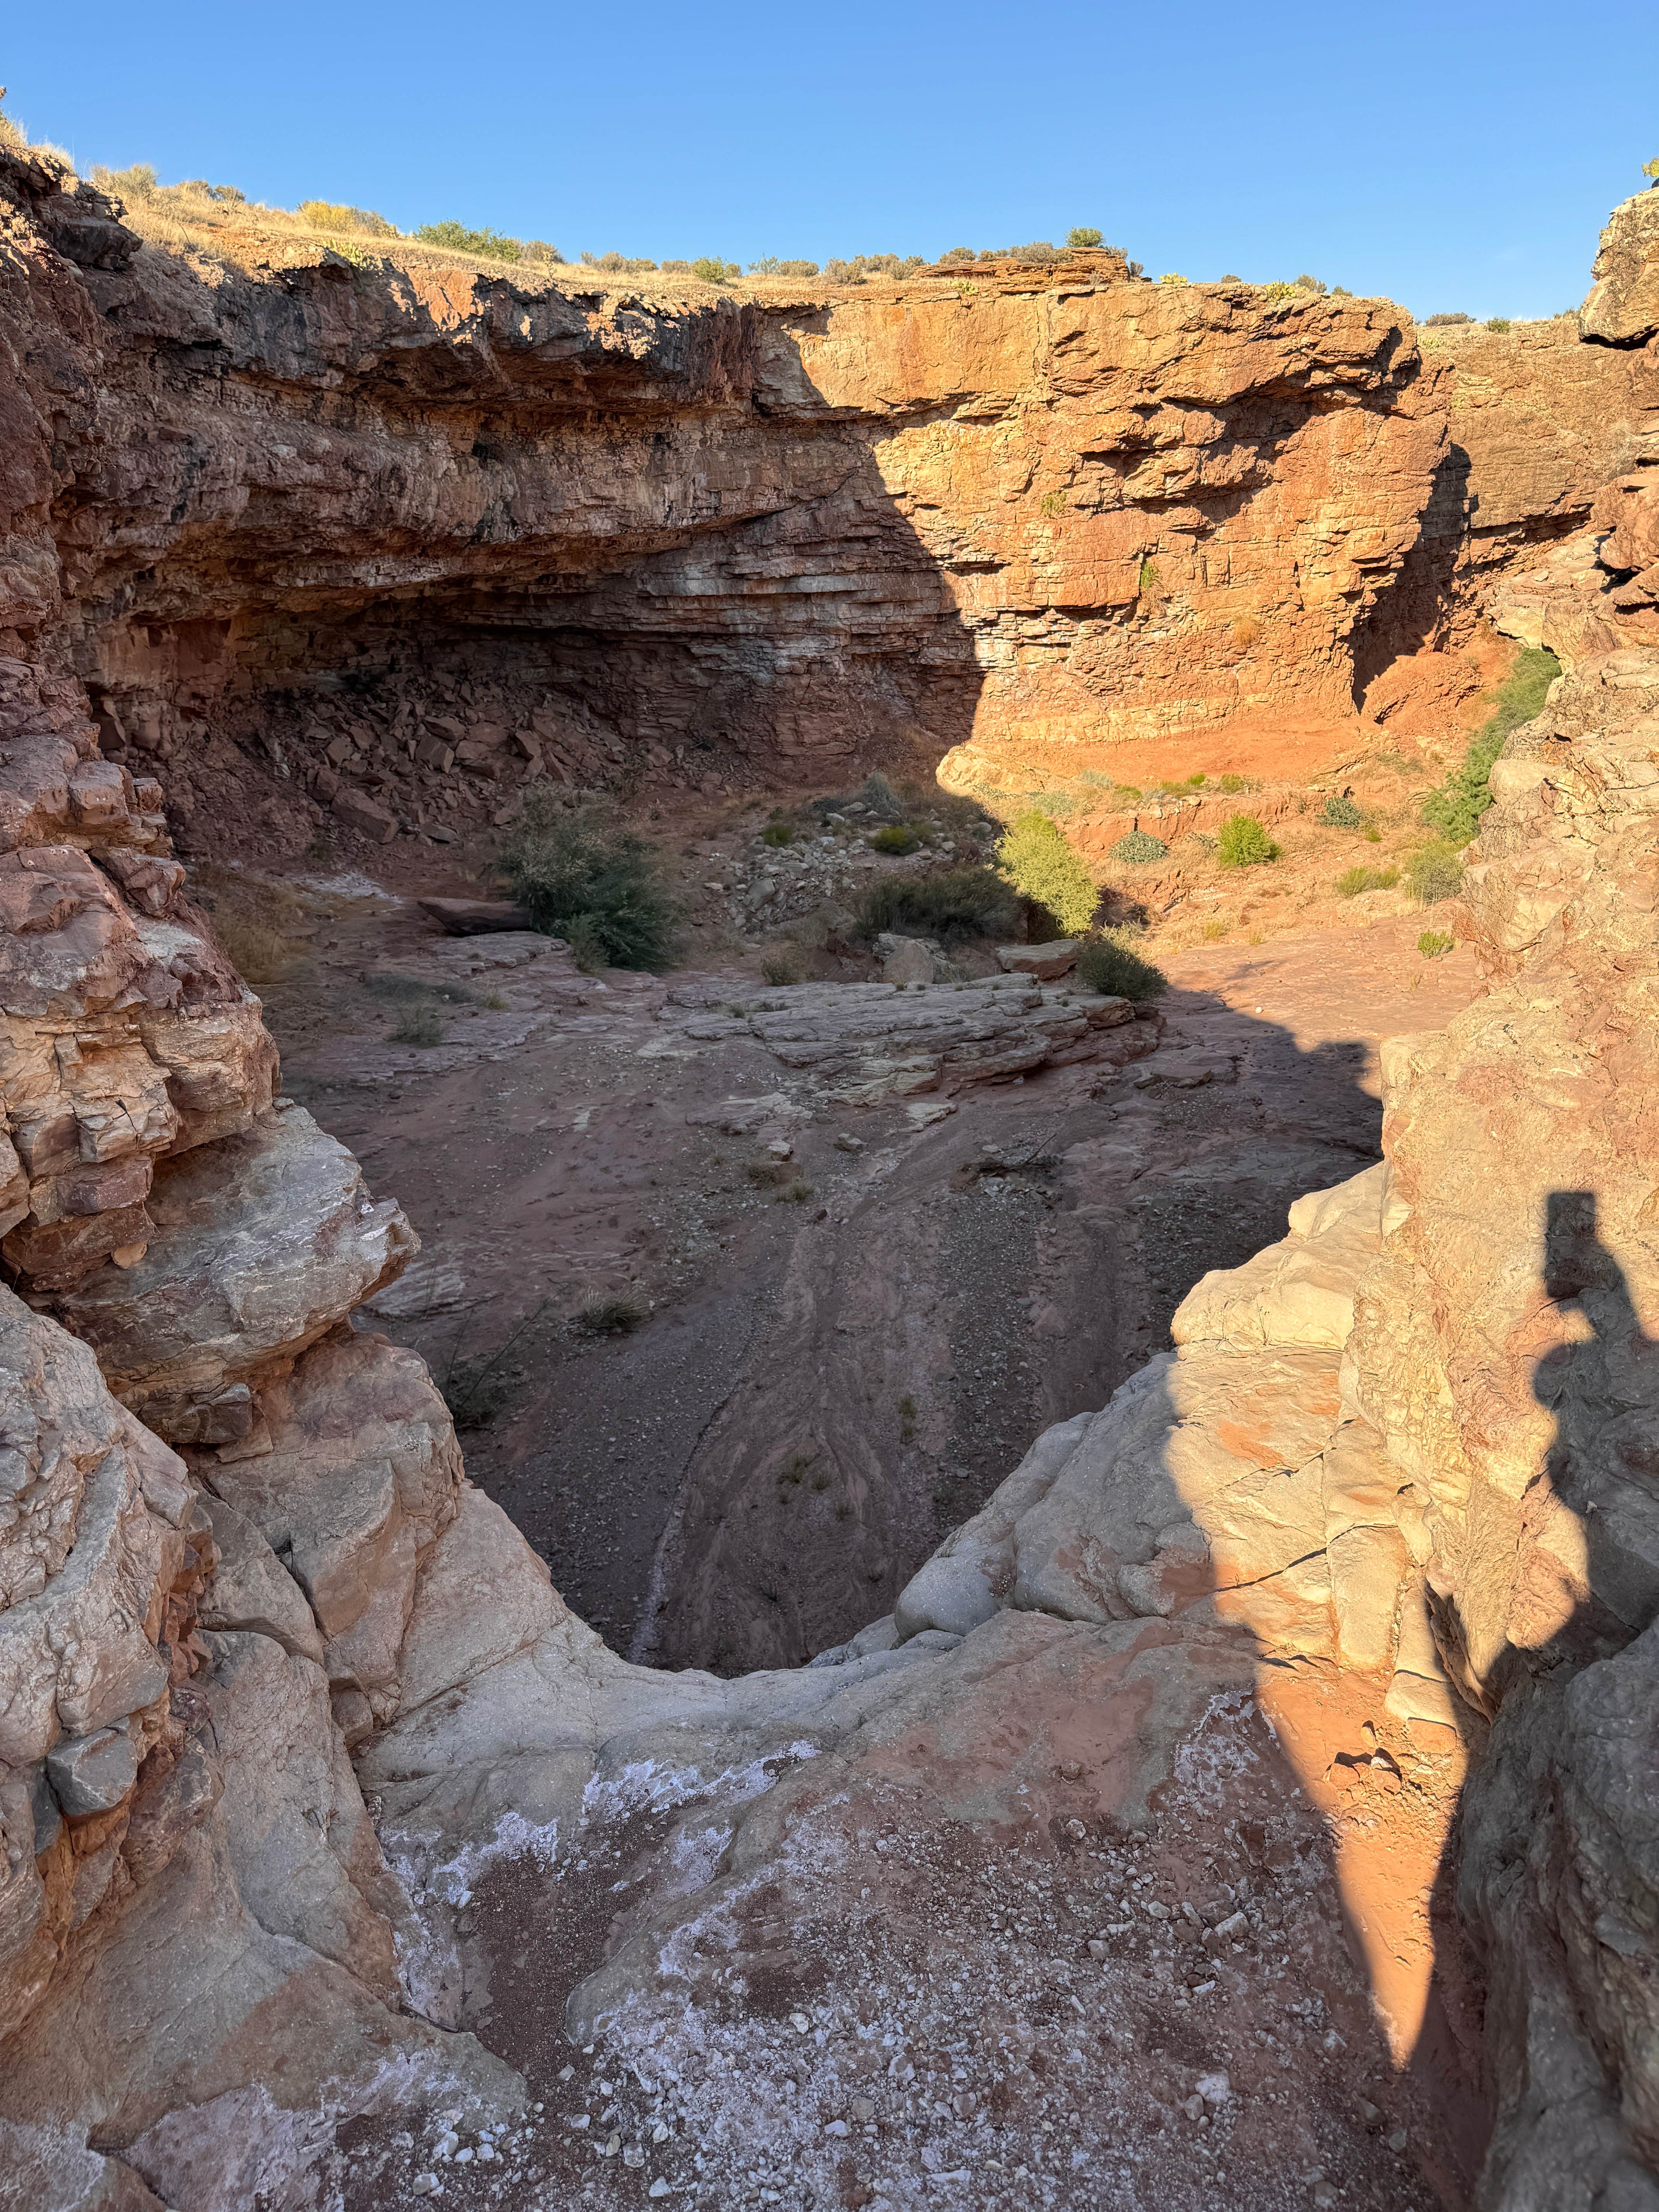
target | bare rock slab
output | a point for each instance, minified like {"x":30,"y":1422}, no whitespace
{"x":262,"y":1243}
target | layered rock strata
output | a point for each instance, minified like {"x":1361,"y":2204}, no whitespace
{"x":366,"y":548}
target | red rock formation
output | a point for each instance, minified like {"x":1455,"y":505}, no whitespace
{"x":1396,"y":1477}
{"x":409,"y":537}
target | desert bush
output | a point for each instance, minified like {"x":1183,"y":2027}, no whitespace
{"x":254,"y":919}
{"x":1498,"y":322}
{"x":879,"y":796}
{"x":475,"y":1390}
{"x":335,"y":214}
{"x":781,"y":967}
{"x":1352,"y":881}
{"x":1107,"y":964}
{"x":954,"y":904}
{"x":488,"y":245}
{"x":1455,"y":809}
{"x":611,"y":1316}
{"x":259,"y":954}
{"x":777,"y":832}
{"x":1435,"y":872}
{"x":713,"y":268}
{"x":586,"y":878}
{"x":1241,"y":843}
{"x":862,"y":266}
{"x":1440,"y":322}
{"x":1434,"y":943}
{"x":1306,"y":283}
{"x":1171,"y":278}
{"x":1339,"y":812}
{"x":1083,"y":235}
{"x":1137,"y":849}
{"x":1233,"y":784}
{"x":418,"y":1026}
{"x":539,"y":249}
{"x":1035,"y":858}
{"x":896,"y":837}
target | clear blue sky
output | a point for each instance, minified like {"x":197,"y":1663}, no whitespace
{"x":1450,"y":155}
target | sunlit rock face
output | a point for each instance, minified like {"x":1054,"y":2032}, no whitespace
{"x":1007,"y":520}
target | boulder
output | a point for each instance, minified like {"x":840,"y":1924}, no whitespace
{"x":476,"y":917}
{"x":906,"y":959}
{"x":363,"y":814}
{"x":356,"y":1474}
{"x":93,"y":1773}
{"x":1048,"y":962}
{"x":1623,"y":307}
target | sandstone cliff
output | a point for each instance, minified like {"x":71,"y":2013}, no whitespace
{"x":376,"y":540}
{"x":1114,"y":1866}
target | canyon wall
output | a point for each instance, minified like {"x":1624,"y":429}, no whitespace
{"x":280,"y":1688}
{"x":360,"y":545}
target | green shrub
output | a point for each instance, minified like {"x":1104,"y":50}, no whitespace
{"x":1232,"y":785}
{"x":1037,"y":859}
{"x":1433,"y":943}
{"x":777,"y":832}
{"x":1108,"y":965}
{"x":955,"y":903}
{"x":1083,"y":235}
{"x":1339,"y":812}
{"x":713,"y":269}
{"x":584,"y":878}
{"x":489,"y":245}
{"x":1352,"y":881}
{"x":895,"y":837}
{"x":781,"y":967}
{"x":1498,"y":322}
{"x":1137,"y":849}
{"x":419,"y":1026}
{"x":1455,"y":809}
{"x":1435,"y":872}
{"x":1241,"y":843}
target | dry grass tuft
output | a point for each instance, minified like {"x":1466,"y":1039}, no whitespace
{"x":257,"y":922}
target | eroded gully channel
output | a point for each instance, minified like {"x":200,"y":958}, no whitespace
{"x":824,"y":1384}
